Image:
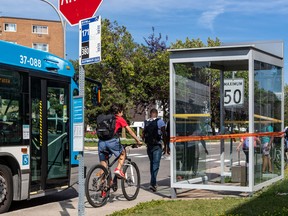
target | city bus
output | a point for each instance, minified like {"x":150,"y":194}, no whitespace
{"x":37,"y":90}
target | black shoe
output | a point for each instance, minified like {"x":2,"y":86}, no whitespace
{"x":153,"y":188}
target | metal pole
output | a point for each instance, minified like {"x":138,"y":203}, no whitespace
{"x":222,"y":126}
{"x":81,"y":181}
{"x":63,"y":25}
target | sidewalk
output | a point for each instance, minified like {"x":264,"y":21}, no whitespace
{"x":70,"y":207}
{"x":117,"y":202}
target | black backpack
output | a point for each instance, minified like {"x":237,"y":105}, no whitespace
{"x":105,"y":126}
{"x":151,"y":135}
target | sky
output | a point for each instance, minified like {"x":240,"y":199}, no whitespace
{"x":232,"y":21}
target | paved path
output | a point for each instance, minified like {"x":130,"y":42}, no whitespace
{"x":70,"y":207}
{"x":117,"y":202}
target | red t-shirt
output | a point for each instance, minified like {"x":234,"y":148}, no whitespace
{"x":120,"y":123}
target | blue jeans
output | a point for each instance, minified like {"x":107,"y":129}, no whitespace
{"x":154,"y":153}
{"x":112,"y":146}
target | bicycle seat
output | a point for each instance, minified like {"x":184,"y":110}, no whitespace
{"x":106,"y":153}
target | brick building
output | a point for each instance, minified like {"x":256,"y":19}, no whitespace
{"x":44,"y":35}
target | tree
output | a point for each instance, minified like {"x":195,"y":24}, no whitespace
{"x":115,"y":71}
{"x":153,"y":73}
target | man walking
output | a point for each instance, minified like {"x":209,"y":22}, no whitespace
{"x":154,"y":135}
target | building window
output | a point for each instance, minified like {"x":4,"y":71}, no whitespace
{"x":36,"y":29}
{"x":10,"y":27}
{"x":40,"y":46}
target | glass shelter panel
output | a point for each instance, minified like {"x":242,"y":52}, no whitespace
{"x":208,"y":103}
{"x":267,"y":117}
{"x":192,"y":118}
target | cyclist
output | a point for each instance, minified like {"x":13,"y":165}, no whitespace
{"x":113,"y":145}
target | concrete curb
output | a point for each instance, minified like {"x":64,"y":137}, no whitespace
{"x":89,"y":148}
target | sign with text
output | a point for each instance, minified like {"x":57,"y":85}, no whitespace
{"x":233,"y":92}
{"x":78,"y":124}
{"x":90,"y":41}
{"x":76,"y":10}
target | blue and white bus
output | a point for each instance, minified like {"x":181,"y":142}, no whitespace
{"x":36,"y":122}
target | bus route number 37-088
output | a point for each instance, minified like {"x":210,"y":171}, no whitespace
{"x":33,"y":62}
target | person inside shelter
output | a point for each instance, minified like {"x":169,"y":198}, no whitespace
{"x":244,"y":142}
{"x":266,"y":143}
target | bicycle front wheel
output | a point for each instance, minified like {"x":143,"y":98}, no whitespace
{"x":131,"y":184}
{"x":97,"y":188}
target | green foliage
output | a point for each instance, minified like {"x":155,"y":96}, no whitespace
{"x":132,"y":74}
{"x":91,"y":135}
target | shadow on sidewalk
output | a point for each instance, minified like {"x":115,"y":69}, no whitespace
{"x":66,"y":196}
{"x":163,"y":188}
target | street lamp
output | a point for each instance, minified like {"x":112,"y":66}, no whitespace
{"x":63,"y":26}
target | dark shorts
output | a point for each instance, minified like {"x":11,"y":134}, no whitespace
{"x":113,"y":146}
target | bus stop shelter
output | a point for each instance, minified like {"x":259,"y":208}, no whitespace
{"x":220,"y":96}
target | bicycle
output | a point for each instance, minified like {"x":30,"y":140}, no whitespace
{"x":99,"y":180}
{"x":277,"y":158}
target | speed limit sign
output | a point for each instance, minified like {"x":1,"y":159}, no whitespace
{"x":233,"y":92}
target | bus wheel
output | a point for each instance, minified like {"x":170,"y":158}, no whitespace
{"x":6,"y":188}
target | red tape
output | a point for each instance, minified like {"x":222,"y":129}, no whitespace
{"x":223,"y":136}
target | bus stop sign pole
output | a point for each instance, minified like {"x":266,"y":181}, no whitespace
{"x":81,"y":182}
{"x":89,"y":53}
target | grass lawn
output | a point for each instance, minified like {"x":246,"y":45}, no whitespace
{"x":95,"y":144}
{"x":272,"y":200}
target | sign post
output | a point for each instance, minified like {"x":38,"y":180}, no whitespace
{"x":74,"y":11}
{"x":81,"y":182}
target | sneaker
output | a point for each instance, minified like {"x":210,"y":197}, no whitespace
{"x":166,"y":157}
{"x":153,"y":188}
{"x":119,"y":173}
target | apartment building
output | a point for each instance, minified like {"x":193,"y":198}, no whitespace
{"x":43,"y":35}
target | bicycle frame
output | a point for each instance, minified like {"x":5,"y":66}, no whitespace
{"x":130,"y":185}
{"x":109,"y":165}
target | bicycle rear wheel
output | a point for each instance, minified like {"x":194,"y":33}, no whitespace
{"x":97,"y":188}
{"x":131,"y":184}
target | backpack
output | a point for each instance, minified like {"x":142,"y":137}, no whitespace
{"x":151,"y":135}
{"x":105,"y":126}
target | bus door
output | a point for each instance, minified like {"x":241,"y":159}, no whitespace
{"x":50,"y":138}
